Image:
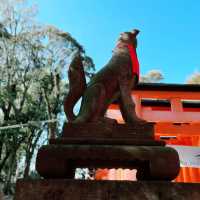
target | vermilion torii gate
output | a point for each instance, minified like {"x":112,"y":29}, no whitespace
{"x":175,"y":108}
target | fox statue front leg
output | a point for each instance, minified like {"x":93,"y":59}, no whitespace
{"x":126,"y":104}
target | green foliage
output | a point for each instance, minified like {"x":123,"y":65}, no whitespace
{"x":33,"y":60}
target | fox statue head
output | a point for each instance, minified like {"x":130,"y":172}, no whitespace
{"x":129,"y":37}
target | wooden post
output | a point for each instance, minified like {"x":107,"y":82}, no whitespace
{"x":176,"y":104}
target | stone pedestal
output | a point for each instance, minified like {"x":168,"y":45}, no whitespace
{"x":151,"y":162}
{"x":111,"y":145}
{"x":105,"y":190}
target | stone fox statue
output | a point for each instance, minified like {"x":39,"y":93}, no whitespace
{"x":114,"y":81}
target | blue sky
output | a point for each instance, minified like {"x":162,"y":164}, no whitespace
{"x":170,"y":30}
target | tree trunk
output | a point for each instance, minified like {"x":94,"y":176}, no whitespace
{"x":2,"y":163}
{"x":27,"y":166}
{"x":8,"y":188}
{"x":30,"y":152}
{"x":52,"y":130}
{"x":1,"y":147}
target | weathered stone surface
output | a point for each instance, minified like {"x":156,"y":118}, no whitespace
{"x":108,"y":130}
{"x":105,"y":190}
{"x":55,"y":161}
{"x":107,"y":141}
{"x":108,"y":145}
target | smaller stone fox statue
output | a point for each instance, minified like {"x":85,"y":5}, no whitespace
{"x":114,"y":81}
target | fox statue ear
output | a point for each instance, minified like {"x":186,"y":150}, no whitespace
{"x":135,"y":32}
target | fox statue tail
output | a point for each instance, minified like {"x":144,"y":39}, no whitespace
{"x":77,"y":86}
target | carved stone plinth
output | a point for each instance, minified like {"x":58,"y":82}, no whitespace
{"x":56,"y":161}
{"x":108,"y":130}
{"x":105,"y":190}
{"x":108,"y":146}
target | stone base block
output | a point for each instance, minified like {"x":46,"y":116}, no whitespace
{"x":105,"y":190}
{"x":151,"y":162}
{"x":113,"y":130}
